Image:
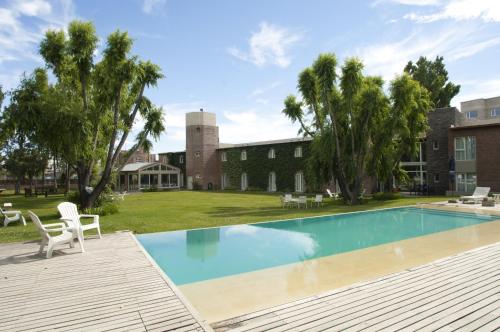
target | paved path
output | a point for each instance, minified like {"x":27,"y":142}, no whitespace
{"x":461,"y":292}
{"x":113,"y":286}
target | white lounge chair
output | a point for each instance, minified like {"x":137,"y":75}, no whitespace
{"x":10,"y":216}
{"x":318,"y":200}
{"x":68,"y":235}
{"x":332,"y":196}
{"x":478,"y":194}
{"x":302,"y":200}
{"x":69,"y":214}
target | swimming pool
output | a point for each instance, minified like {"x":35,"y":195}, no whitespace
{"x":203,"y":254}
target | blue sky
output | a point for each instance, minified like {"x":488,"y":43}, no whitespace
{"x":240,"y":59}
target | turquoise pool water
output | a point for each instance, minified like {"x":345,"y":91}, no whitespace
{"x":202,"y":254}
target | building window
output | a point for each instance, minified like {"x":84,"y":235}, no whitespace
{"x":224,"y":181}
{"x":465,"y":148}
{"x":471,"y":115}
{"x":435,"y":145}
{"x":298,"y":152}
{"x":223,"y":156}
{"x":271,"y":186}
{"x":466,"y":182}
{"x":197,"y":154}
{"x":271,"y":154}
{"x":181,"y":159}
{"x":244,"y":181}
{"x":299,"y":182}
{"x":243,"y":155}
{"x":138,"y":159}
{"x":495,"y":112}
{"x":436,"y":178}
{"x":198,"y":176}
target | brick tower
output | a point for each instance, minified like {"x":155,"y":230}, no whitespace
{"x":202,"y":141}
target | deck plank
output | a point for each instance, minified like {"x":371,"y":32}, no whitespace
{"x":113,"y":286}
{"x":458,"y":292}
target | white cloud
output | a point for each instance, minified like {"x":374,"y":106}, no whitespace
{"x":409,"y":2}
{"x":151,"y":6}
{"x":388,"y":59}
{"x":255,"y":125}
{"x":461,"y":10}
{"x":20,"y":41}
{"x":269,"y":45}
{"x":476,"y":89}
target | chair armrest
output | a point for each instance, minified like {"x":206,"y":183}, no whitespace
{"x":51,"y":227}
{"x":11,"y":212}
{"x":89,"y":216}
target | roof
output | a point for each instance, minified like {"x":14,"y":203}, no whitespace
{"x":476,"y":125}
{"x":272,"y":142}
{"x":134,"y":167}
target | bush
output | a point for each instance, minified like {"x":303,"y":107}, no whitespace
{"x":386,"y":196}
{"x":104,"y":204}
{"x":107,"y":208}
{"x":150,"y":189}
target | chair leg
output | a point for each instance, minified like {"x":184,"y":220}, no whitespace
{"x":23,"y":220}
{"x":50,"y":249}
{"x":81,"y":239}
{"x":99,"y":232}
{"x":42,"y":245}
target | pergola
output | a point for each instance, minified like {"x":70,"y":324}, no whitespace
{"x":146,"y":175}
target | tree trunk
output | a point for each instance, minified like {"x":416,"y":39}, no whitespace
{"x":55,"y":173}
{"x":68,"y":180}
{"x":17,"y":186}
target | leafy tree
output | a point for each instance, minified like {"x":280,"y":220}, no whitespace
{"x":434,"y":77}
{"x":357,"y":130}
{"x":23,"y":154}
{"x":93,"y":106}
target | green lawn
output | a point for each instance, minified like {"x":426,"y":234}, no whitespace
{"x":166,"y":211}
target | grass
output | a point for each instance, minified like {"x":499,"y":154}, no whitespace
{"x":167,"y":211}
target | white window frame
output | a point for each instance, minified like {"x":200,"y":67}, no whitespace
{"x":271,"y":182}
{"x":468,"y":142}
{"x":197,"y":154}
{"x":436,"y":178}
{"x":243,"y":155}
{"x":495,"y":112}
{"x":223,"y":156}
{"x":244,"y":181}
{"x":271,"y":154}
{"x":298,"y":152}
{"x":469,"y":113}
{"x":299,"y":182}
{"x":435,"y":145}
{"x":181,"y":159}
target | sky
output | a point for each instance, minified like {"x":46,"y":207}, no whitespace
{"x":240,"y":59}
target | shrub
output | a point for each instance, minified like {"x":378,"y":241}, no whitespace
{"x":385,"y":196}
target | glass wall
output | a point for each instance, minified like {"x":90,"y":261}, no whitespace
{"x":466,"y":182}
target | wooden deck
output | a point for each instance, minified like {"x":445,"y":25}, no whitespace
{"x":112,"y":287}
{"x":456,"y":293}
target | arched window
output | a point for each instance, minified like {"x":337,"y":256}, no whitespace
{"x":224,"y":181}
{"x":298,"y":152}
{"x":299,"y":182}
{"x":271,"y":154}
{"x":271,"y":182}
{"x":244,"y":181}
{"x":243,"y":155}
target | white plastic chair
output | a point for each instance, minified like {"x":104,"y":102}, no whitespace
{"x":69,"y":214}
{"x":286,"y":200}
{"x":478,"y":194}
{"x":332,"y":196}
{"x":68,"y":234}
{"x":318,"y":200}
{"x":11,"y":216}
{"x":302,"y":200}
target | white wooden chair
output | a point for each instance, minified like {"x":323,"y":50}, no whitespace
{"x":11,"y":216}
{"x":66,"y":236}
{"x":302,"y":200}
{"x":318,"y":200}
{"x":69,"y":214}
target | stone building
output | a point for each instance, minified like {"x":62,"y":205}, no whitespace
{"x":460,"y":150}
